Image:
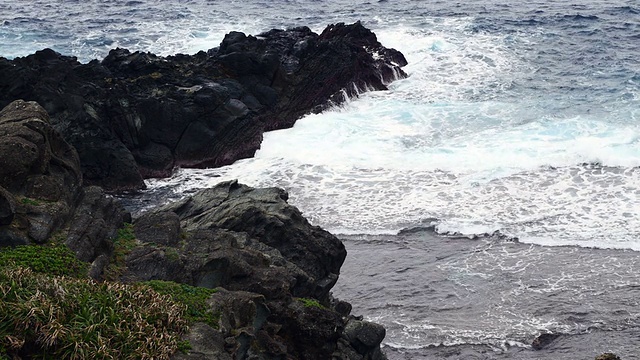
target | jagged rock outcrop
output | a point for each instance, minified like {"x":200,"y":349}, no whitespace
{"x":274,"y":271}
{"x":41,"y":189}
{"x":242,"y":239}
{"x":137,"y":115}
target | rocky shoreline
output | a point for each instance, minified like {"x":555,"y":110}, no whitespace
{"x":137,"y":115}
{"x":71,"y":131}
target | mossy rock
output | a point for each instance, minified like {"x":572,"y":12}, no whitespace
{"x":608,"y":356}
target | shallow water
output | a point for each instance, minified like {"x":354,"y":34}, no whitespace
{"x":437,"y":296}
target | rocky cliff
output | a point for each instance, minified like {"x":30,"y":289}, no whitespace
{"x":137,"y":115}
{"x":273,"y":271}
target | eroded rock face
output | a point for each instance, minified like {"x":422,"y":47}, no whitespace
{"x":7,"y":207}
{"x":137,"y":115}
{"x":41,"y":189}
{"x":39,"y":172}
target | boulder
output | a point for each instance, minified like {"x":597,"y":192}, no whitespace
{"x":608,"y":356}
{"x":39,"y":172}
{"x":240,"y":238}
{"x":93,"y":226}
{"x":273,"y":271}
{"x":365,"y":337}
{"x":236,"y":224}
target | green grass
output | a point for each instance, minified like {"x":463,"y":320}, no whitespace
{"x":194,"y":298}
{"x":58,"y":317}
{"x":56,"y":259}
{"x":183,"y":346}
{"x":49,"y":309}
{"x":311,"y":303}
{"x":124,"y":242}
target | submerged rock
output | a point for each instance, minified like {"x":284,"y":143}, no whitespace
{"x":608,"y":356}
{"x":543,"y":340}
{"x":138,"y":115}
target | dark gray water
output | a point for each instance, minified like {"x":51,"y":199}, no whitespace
{"x":488,"y":298}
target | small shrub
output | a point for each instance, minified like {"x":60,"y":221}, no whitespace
{"x":172,"y":254}
{"x":194,"y":298}
{"x":52,"y":317}
{"x":29,"y":201}
{"x":55,"y":259}
{"x":311,"y":303}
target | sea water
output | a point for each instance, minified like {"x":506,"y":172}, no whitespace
{"x":514,"y":144}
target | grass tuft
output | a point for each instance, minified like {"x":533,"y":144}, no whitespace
{"x":183,"y":346}
{"x":194,"y":298}
{"x":66,"y":318}
{"x":29,"y":201}
{"x":311,"y":303}
{"x":124,"y":242}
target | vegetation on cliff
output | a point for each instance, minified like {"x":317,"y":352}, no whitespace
{"x":50,"y":308}
{"x":70,"y":318}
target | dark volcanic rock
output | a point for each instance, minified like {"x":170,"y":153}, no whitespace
{"x":543,"y":340}
{"x":262,"y":255}
{"x":273,"y":270}
{"x":365,"y":337}
{"x":206,"y":343}
{"x":608,"y":356}
{"x":94,"y":224}
{"x":265,"y":215}
{"x":7,"y":207}
{"x":41,"y":192}
{"x":137,"y":115}
{"x":40,"y":172}
{"x":241,"y":238}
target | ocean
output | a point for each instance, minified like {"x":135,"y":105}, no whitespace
{"x":490,"y":197}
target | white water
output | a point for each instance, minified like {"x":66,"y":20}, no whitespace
{"x":455,"y":142}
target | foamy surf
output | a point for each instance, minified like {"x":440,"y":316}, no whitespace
{"x":457,"y":142}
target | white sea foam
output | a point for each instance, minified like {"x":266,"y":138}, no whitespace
{"x":438,"y":145}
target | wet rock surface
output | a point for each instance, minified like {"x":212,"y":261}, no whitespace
{"x":138,"y":115}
